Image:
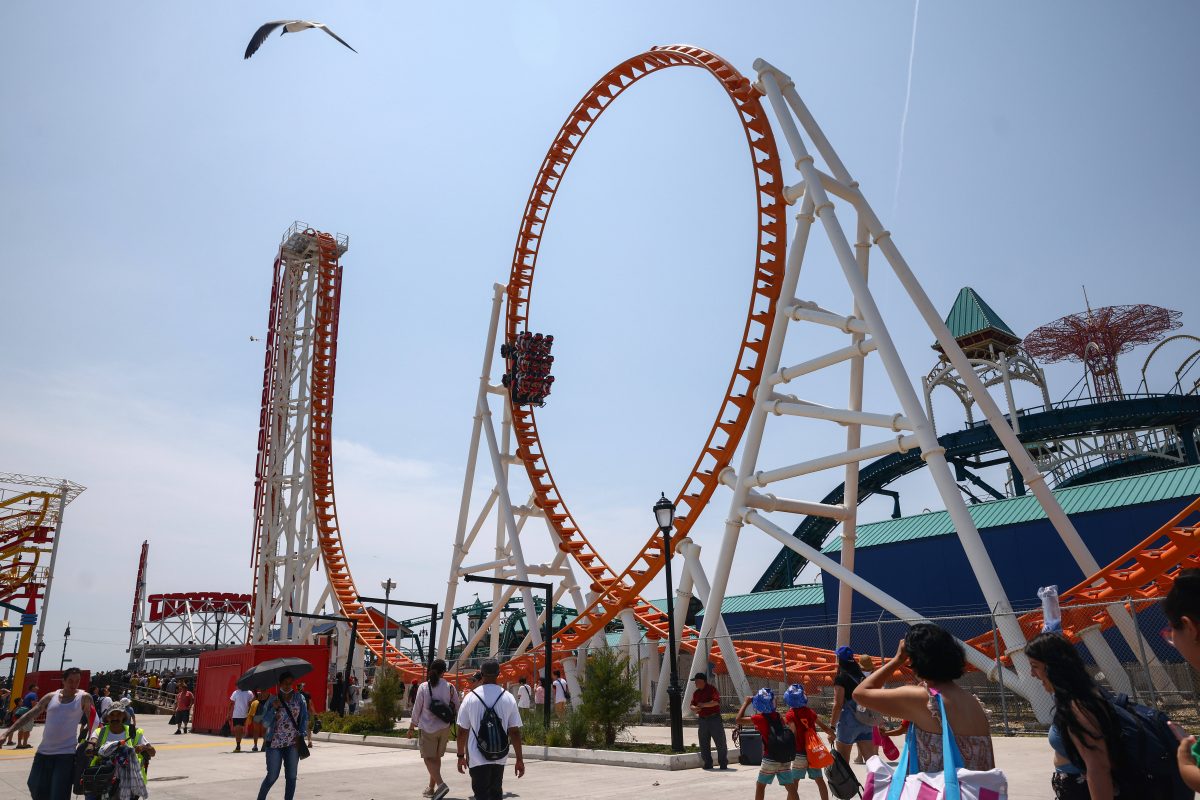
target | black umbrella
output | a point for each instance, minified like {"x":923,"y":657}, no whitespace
{"x":266,"y":675}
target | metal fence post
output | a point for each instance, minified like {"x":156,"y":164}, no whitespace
{"x":1142,"y":651}
{"x":879,"y":630}
{"x":783,"y":654}
{"x":1000,"y":674}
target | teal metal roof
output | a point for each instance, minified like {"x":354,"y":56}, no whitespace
{"x":806,"y":594}
{"x":970,"y":314}
{"x":1166,"y":485}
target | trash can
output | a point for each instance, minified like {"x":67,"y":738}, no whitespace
{"x":750,"y":747}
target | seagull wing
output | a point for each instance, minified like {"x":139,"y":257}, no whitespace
{"x":261,"y":35}
{"x":325,"y":28}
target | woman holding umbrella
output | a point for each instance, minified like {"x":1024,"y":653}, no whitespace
{"x":286,"y":722}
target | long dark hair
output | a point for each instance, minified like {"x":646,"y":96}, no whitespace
{"x":848,"y":667}
{"x":1074,"y":688}
{"x":436,"y":670}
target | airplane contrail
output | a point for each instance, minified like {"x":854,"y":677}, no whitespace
{"x":912,"y":51}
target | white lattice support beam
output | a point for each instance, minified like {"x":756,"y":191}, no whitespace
{"x":733,"y":665}
{"x":752,"y":442}
{"x":461,"y":543}
{"x":862,"y":247}
{"x":923,"y":435}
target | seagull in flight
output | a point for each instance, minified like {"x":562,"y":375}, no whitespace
{"x":289,"y":26}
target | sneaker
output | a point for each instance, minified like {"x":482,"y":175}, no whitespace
{"x":178,"y":732}
{"x":254,"y":749}
{"x":442,"y":791}
{"x":429,"y":790}
{"x":237,"y":749}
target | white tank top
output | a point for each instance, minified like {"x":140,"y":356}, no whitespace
{"x":61,"y":734}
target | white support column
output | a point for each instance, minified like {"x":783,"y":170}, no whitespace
{"x":862,"y":248}
{"x":752,"y":442}
{"x":1106,"y":660}
{"x":683,"y":598}
{"x":931,"y":451}
{"x":691,"y":554}
{"x":464,"y":507}
{"x":570,"y":667}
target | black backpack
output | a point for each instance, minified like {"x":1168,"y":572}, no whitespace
{"x":492,"y":736}
{"x":1149,"y":769}
{"x":440,"y":709}
{"x":841,"y":779}
{"x":780,"y":745}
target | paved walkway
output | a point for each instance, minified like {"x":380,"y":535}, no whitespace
{"x":194,"y":767}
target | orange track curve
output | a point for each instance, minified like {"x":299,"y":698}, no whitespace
{"x":618,"y":592}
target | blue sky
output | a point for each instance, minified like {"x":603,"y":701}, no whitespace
{"x":148,"y":172}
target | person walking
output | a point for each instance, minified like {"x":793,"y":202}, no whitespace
{"x":254,"y":719}
{"x":53,"y":767}
{"x":1085,"y":733}
{"x":706,"y":705}
{"x":489,"y":726}
{"x":239,"y":707}
{"x":115,"y":728}
{"x":524,"y":696}
{"x":777,"y":759}
{"x":353,"y":694}
{"x":434,"y":708}
{"x":104,"y":703}
{"x":286,"y":721}
{"x":938,"y":660}
{"x":184,"y":700}
{"x":848,"y":730}
{"x":804,"y":721}
{"x":562,"y":693}
{"x":539,"y":695}
{"x":338,"y":699}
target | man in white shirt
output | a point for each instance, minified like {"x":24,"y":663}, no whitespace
{"x":239,"y":708}
{"x":487,"y":775}
{"x":524,"y":695}
{"x":561,"y":693}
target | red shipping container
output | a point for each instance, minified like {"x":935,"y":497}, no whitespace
{"x":49,"y":680}
{"x":217,"y":674}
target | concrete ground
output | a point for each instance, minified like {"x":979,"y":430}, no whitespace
{"x":195,"y":767}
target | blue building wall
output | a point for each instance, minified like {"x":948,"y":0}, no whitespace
{"x":932,"y":575}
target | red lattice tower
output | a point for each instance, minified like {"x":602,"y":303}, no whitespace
{"x":1097,"y":337}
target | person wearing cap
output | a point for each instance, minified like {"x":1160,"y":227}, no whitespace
{"x":802,"y":720}
{"x":487,"y":776}
{"x":706,"y":704}
{"x":849,"y":731}
{"x":116,"y":728}
{"x":774,"y":766}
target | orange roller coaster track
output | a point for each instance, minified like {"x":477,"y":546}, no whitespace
{"x":617,"y":592}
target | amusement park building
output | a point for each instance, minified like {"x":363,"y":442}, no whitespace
{"x":920,"y":560}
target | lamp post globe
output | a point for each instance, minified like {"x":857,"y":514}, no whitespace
{"x":664,"y":516}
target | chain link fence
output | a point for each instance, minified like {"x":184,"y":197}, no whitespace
{"x":1143,"y":664}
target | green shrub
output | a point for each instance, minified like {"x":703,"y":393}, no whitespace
{"x":610,"y":690}
{"x":386,"y":692}
{"x":579,"y":728}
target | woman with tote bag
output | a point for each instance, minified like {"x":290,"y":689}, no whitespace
{"x":949,"y":743}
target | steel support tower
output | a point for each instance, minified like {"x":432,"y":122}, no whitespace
{"x":286,"y":547}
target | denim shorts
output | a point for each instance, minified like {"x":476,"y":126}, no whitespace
{"x":849,"y":730}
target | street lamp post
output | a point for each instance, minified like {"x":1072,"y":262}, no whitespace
{"x":387,"y":586}
{"x":67,"y":635}
{"x":664,"y":515}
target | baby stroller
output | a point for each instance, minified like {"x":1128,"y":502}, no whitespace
{"x":102,"y":780}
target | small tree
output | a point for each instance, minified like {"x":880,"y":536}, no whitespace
{"x":385,"y":696}
{"x":609,"y":690}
